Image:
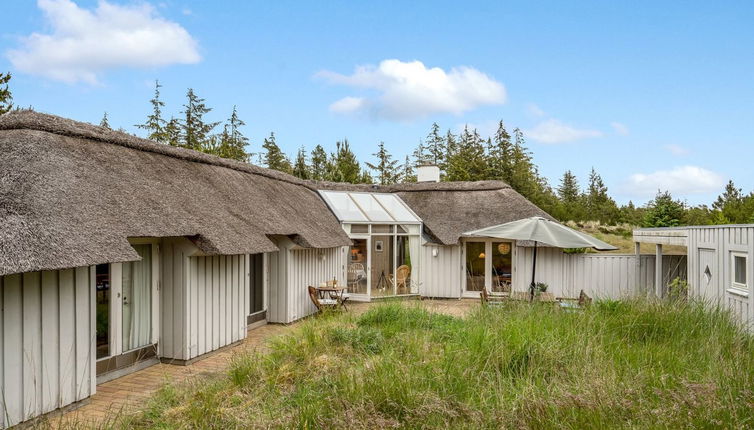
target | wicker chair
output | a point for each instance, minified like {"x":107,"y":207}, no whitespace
{"x":402,"y":275}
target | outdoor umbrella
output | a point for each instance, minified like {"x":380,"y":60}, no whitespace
{"x":541,"y":230}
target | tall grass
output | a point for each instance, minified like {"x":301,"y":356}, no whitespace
{"x":632,"y":364}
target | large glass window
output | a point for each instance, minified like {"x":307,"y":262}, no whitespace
{"x":137,"y":299}
{"x":475,"y":263}
{"x":256,"y":293}
{"x":371,"y":207}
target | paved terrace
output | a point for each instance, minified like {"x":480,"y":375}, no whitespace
{"x":130,"y":392}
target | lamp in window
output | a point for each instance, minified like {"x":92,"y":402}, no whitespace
{"x":481,"y":256}
{"x":504,"y":248}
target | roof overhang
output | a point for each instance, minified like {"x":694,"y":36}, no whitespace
{"x":662,"y":236}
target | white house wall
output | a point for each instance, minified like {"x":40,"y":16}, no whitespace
{"x":291,"y":271}
{"x":47,"y":335}
{"x":712,"y":246}
{"x":441,"y":275}
{"x":552,"y":269}
{"x":203,"y":300}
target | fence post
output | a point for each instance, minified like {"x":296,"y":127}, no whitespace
{"x":637,"y":269}
{"x":658,"y":270}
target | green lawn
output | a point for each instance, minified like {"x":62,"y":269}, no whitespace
{"x":618,"y":364}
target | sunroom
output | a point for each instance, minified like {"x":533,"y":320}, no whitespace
{"x":383,"y":259}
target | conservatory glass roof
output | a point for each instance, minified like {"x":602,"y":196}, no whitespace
{"x":359,"y":207}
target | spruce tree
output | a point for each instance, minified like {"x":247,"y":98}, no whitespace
{"x":195,"y":130}
{"x":435,"y":146}
{"x":407,"y":173}
{"x":570,"y":197}
{"x":729,"y":206}
{"x":232,"y":141}
{"x":664,"y":211}
{"x":599,"y":205}
{"x":173,"y":132}
{"x":469,"y":162}
{"x":319,"y":168}
{"x":501,"y":154}
{"x":274,"y":158}
{"x":6,"y":98}
{"x":451,"y":147}
{"x":345,"y":166}
{"x":104,"y":122}
{"x":300,"y":168}
{"x":155,"y":125}
{"x":385,"y":167}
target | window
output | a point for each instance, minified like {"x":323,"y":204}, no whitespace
{"x":739,"y":270}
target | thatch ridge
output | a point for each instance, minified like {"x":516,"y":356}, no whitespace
{"x":71,"y":193}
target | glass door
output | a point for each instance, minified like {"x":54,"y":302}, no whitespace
{"x":103,"y":299}
{"x":501,"y":270}
{"x":476,"y":262}
{"x":358,"y":266}
{"x":136,"y":284}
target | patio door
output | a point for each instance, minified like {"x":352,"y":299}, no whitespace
{"x":358,"y":267}
{"x":126,"y":305}
{"x":488,"y":265}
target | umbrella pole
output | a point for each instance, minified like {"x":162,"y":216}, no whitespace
{"x":533,"y":271}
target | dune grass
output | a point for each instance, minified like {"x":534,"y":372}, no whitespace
{"x":629,"y":364}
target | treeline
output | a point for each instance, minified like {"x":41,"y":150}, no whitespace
{"x":466,"y":156}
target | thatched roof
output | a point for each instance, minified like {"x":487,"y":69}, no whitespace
{"x":72,"y":193}
{"x":449,"y":209}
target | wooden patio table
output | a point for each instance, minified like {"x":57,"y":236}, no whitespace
{"x":335,"y":292}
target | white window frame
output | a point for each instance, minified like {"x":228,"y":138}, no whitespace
{"x":737,"y":285}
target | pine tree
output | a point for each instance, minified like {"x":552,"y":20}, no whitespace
{"x":570,"y":197}
{"x":345,"y":166}
{"x":435,"y":146}
{"x":407,"y":173}
{"x":319,"y":169}
{"x":385,"y":167}
{"x":195,"y":130}
{"x":366,"y":177}
{"x":6,"y":98}
{"x":501,"y":154}
{"x":451,"y":147}
{"x":664,"y":211}
{"x":274,"y":158}
{"x":173,"y":132}
{"x":729,"y":206}
{"x":104,"y":122}
{"x":469,"y":162}
{"x":155,"y":125}
{"x":300,"y":168}
{"x":599,"y":205}
{"x":232,"y":141}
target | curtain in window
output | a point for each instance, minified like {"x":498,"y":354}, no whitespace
{"x":137,"y":300}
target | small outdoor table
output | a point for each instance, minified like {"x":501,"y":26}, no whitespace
{"x":335,"y":292}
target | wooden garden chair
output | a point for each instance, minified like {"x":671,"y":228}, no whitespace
{"x":321,"y":303}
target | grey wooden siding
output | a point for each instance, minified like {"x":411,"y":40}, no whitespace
{"x":291,"y":271}
{"x":47,"y":335}
{"x":712,"y":247}
{"x":202,"y":300}
{"x":218,"y":290}
{"x":441,"y":275}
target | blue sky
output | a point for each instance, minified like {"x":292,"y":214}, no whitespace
{"x":652,"y":95}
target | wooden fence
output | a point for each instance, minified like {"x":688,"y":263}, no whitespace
{"x":612,"y":276}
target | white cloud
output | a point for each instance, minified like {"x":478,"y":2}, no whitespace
{"x":681,"y":180}
{"x":408,"y":90}
{"x":555,"y":131}
{"x":676,"y":150}
{"x":535,"y":111}
{"x":620,"y":128}
{"x":85,"y":43}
